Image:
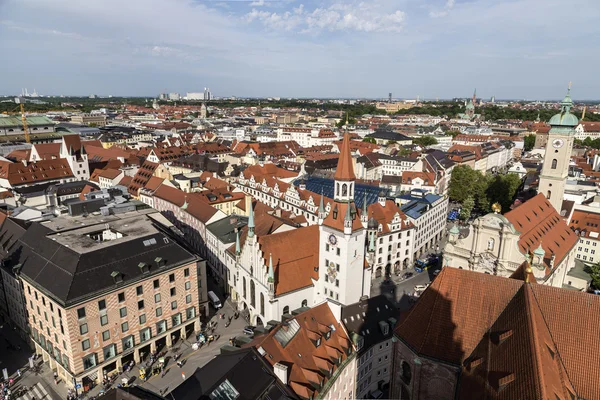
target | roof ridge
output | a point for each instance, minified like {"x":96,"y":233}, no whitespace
{"x":533,"y":339}
{"x":558,"y":354}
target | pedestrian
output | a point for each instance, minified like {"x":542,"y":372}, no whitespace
{"x":183,"y":375}
{"x":19,"y":373}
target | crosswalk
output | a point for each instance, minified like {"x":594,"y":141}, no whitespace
{"x":36,"y":392}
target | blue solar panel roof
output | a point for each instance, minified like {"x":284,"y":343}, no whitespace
{"x":325,"y":186}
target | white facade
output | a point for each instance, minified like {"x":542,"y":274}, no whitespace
{"x":373,"y":366}
{"x":396,"y":165}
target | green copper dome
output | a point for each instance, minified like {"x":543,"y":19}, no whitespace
{"x":470,"y":105}
{"x":565,"y":118}
{"x":454,"y":230}
{"x":539,"y":251}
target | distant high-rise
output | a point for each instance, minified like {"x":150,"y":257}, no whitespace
{"x":390,"y":100}
{"x":207,"y":94}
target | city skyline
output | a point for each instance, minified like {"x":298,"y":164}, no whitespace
{"x":300,"y":49}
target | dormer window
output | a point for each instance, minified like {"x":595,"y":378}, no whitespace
{"x":327,"y":335}
{"x":318,"y":342}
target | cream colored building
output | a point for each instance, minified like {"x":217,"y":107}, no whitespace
{"x":393,"y":107}
{"x":89,"y":119}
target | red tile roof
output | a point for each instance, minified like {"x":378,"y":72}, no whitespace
{"x":539,"y":222}
{"x":494,"y":327}
{"x":40,"y":171}
{"x":308,"y":365}
{"x":295,"y":256}
{"x":584,"y":223}
{"x":143,"y":175}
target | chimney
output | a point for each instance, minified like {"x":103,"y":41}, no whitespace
{"x":281,"y":371}
{"x":24,"y":162}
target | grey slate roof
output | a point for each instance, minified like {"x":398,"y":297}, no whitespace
{"x":364,"y":317}
{"x":245,"y":369}
{"x":224,"y":228}
{"x":71,"y":267}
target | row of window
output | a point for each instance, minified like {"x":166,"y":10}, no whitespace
{"x":139,"y":291}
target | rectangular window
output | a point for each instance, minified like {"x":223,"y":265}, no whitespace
{"x":337,"y":283}
{"x":105,"y":335}
{"x":190,"y":313}
{"x":64,"y":345}
{"x":173,"y":305}
{"x":85,"y":344}
{"x":161,"y":327}
{"x":102,"y":305}
{"x":157,"y":298}
{"x":128,"y":342}
{"x":110,"y":351}
{"x":188,"y":299}
{"x":139,"y":290}
{"x":142,"y":319}
{"x":176,"y":319}
{"x":172,"y":278}
{"x":145,"y":334}
{"x":123,"y":312}
{"x":156,"y":284}
{"x":121,"y":297}
{"x":172,"y":291}
{"x":140,"y":304}
{"x":83,"y":329}
{"x":186,"y":272}
{"x":337,"y":251}
{"x":89,"y":361}
{"x":158,"y":311}
{"x":81,"y":313}
{"x":124,"y":327}
{"x":103,"y":320}
{"x":188,"y":285}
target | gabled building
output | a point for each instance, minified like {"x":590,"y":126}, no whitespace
{"x":479,"y":336}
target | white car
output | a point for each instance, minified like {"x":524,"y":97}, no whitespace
{"x":419,"y":288}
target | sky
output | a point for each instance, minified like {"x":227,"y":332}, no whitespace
{"x":517,"y":49}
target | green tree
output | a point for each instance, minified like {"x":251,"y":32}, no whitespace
{"x":391,"y":142}
{"x":502,"y":189}
{"x":594,"y":271}
{"x":342,"y":122}
{"x":462,"y":183}
{"x":425,"y":141}
{"x":453,"y":133}
{"x":403,"y":152}
{"x":369,"y":140}
{"x":529,"y":142}
{"x":467,"y":208}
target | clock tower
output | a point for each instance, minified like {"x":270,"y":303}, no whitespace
{"x":558,"y":153}
{"x":343,"y":274}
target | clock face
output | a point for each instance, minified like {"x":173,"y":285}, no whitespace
{"x":557,"y":143}
{"x":332,"y":239}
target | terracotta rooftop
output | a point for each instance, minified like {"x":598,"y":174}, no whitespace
{"x":335,"y":218}
{"x":385,"y":216}
{"x":295,"y":256}
{"x":585,"y":224}
{"x":40,"y":171}
{"x":294,"y":345}
{"x":539,"y":222}
{"x":512,"y":339}
{"x":143,"y":175}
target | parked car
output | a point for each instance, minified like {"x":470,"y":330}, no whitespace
{"x":249,"y":330}
{"x":419,"y":288}
{"x":407,"y":275}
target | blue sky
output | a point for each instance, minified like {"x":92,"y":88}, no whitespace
{"x":294,"y":48}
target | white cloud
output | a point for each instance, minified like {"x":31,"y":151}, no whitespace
{"x":337,"y":17}
{"x":443,"y":12}
{"x":258,"y":3}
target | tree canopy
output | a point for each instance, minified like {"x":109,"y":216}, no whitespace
{"x":529,"y":142}
{"x":483,"y":190}
{"x":369,"y":140}
{"x":425,"y":141}
{"x":594,"y":271}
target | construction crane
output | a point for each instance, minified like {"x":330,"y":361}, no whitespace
{"x":25,"y":128}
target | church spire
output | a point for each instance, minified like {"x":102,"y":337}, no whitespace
{"x":238,"y":248}
{"x":271,"y":274}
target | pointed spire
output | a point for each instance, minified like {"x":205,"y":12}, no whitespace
{"x":345,"y":168}
{"x":364,"y":210}
{"x":372,"y":242}
{"x":321,"y":205}
{"x":238,"y":248}
{"x":251,"y":222}
{"x":271,"y":274}
{"x":348,"y":216}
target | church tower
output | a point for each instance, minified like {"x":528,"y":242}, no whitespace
{"x":558,"y":153}
{"x":343,"y":275}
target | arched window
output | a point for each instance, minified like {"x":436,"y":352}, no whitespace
{"x":304,"y":303}
{"x":351,"y":189}
{"x":252,"y":294}
{"x":554,"y":163}
{"x":286,"y":310}
{"x":491,"y":244}
{"x":549,"y":194}
{"x":406,"y":372}
{"x":262,"y":304}
{"x":244,"y":287}
{"x":337,"y":189}
{"x":344,"y":190}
